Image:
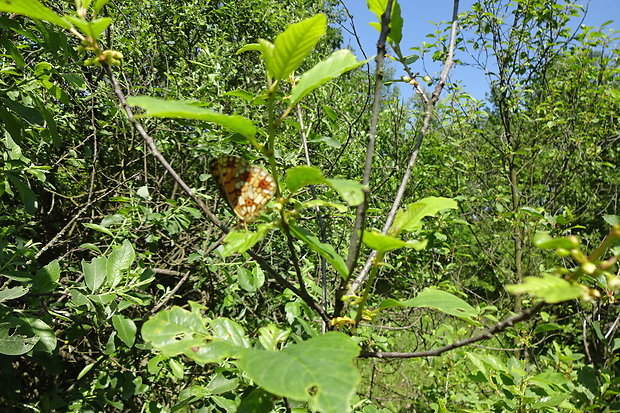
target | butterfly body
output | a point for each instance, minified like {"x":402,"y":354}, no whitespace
{"x":246,"y":188}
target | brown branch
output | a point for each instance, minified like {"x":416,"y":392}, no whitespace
{"x":485,"y":335}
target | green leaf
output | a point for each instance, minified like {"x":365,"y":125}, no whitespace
{"x":94,"y":272}
{"x":47,"y":278}
{"x":160,"y":108}
{"x":15,"y":344}
{"x":241,"y":241}
{"x":33,"y":9}
{"x":439,"y":300}
{"x":7,"y":294}
{"x":545,"y":241}
{"x":98,"y":5}
{"x":319,"y":371}
{"x":301,"y":176}
{"x":410,"y":219}
{"x":339,"y":62}
{"x":250,"y":280}
{"x":325,"y":250}
{"x":126,"y":329}
{"x":26,"y":194}
{"x":91,"y":28}
{"x":378,"y":7}
{"x":119,"y":260}
{"x":98,"y":228}
{"x":320,"y":202}
{"x":350,"y":191}
{"x":227,"y":329}
{"x":174,"y":331}
{"x":33,"y":326}
{"x":293,"y":45}
{"x":382,"y":243}
{"x":549,"y":288}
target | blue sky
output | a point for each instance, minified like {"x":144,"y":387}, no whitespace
{"x":417,"y":16}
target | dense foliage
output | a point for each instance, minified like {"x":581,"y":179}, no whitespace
{"x":432,"y":255}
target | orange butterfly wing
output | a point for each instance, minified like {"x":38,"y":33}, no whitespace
{"x":246,"y":188}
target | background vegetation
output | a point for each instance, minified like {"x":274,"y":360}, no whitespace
{"x":118,"y":288}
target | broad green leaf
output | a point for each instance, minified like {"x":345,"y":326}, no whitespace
{"x":175,"y":331}
{"x":15,"y":344}
{"x":549,"y":288}
{"x":382,"y":243}
{"x":301,"y":176}
{"x":545,"y":241}
{"x":34,"y":326}
{"x":338,"y":63}
{"x":35,"y":10}
{"x":119,"y":260}
{"x":439,"y":300}
{"x":91,"y":28}
{"x":250,"y":280}
{"x":126,"y":329}
{"x":293,"y":45}
{"x":378,"y":7}
{"x":325,"y":250}
{"x":94,"y":272}
{"x":410,"y":219}
{"x":160,"y":108}
{"x":350,"y":191}
{"x":99,"y":228}
{"x":47,"y":278}
{"x":98,"y":5}
{"x":212,"y":352}
{"x":7,"y":294}
{"x":319,"y":371}
{"x":227,"y":329}
{"x":241,"y":241}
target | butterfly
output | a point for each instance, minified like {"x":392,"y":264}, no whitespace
{"x":246,"y":188}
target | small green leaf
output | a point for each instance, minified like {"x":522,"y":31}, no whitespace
{"x":410,"y":219}
{"x":26,"y":194}
{"x":119,"y":260}
{"x":7,"y":294}
{"x":99,"y":228}
{"x":175,"y":331}
{"x":549,"y":288}
{"x":250,"y":280}
{"x":439,"y":300}
{"x":126,"y":329}
{"x":227,"y":329}
{"x":325,"y":250}
{"x":94,"y":272}
{"x":545,"y":241}
{"x":160,"y":108}
{"x":350,"y":191}
{"x":382,"y":243}
{"x":301,"y":176}
{"x":319,"y":371}
{"x":338,"y":63}
{"x":35,"y":10}
{"x":293,"y":45}
{"x":241,"y":241}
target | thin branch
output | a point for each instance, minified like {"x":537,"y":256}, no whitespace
{"x":487,"y":334}
{"x":360,"y":217}
{"x":414,"y":155}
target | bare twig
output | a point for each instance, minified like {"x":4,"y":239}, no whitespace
{"x":487,"y":334}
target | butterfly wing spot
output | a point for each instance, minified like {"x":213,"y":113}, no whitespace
{"x":246,"y":188}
